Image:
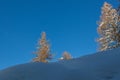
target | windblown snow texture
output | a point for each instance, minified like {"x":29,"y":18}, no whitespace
{"x":99,"y":66}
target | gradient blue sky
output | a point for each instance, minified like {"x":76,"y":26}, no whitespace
{"x":70,"y":26}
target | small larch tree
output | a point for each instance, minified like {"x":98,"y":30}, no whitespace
{"x":43,"y":50}
{"x":65,"y":56}
{"x":108,"y":28}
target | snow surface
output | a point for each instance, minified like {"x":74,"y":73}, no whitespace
{"x":99,"y":66}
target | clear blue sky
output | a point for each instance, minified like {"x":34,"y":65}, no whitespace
{"x":70,"y":26}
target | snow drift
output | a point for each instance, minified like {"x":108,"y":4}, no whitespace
{"x":99,"y":66}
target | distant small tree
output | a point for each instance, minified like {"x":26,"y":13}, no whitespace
{"x":65,"y":56}
{"x":43,"y":50}
{"x":109,"y":28}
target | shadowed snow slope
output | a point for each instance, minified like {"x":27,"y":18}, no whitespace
{"x":99,"y":66}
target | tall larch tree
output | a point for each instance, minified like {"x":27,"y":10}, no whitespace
{"x":108,"y":28}
{"x":118,"y":26}
{"x":43,"y":50}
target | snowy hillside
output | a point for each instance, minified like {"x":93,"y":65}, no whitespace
{"x":98,"y":66}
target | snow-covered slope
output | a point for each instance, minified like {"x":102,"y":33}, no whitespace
{"x":98,"y":66}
